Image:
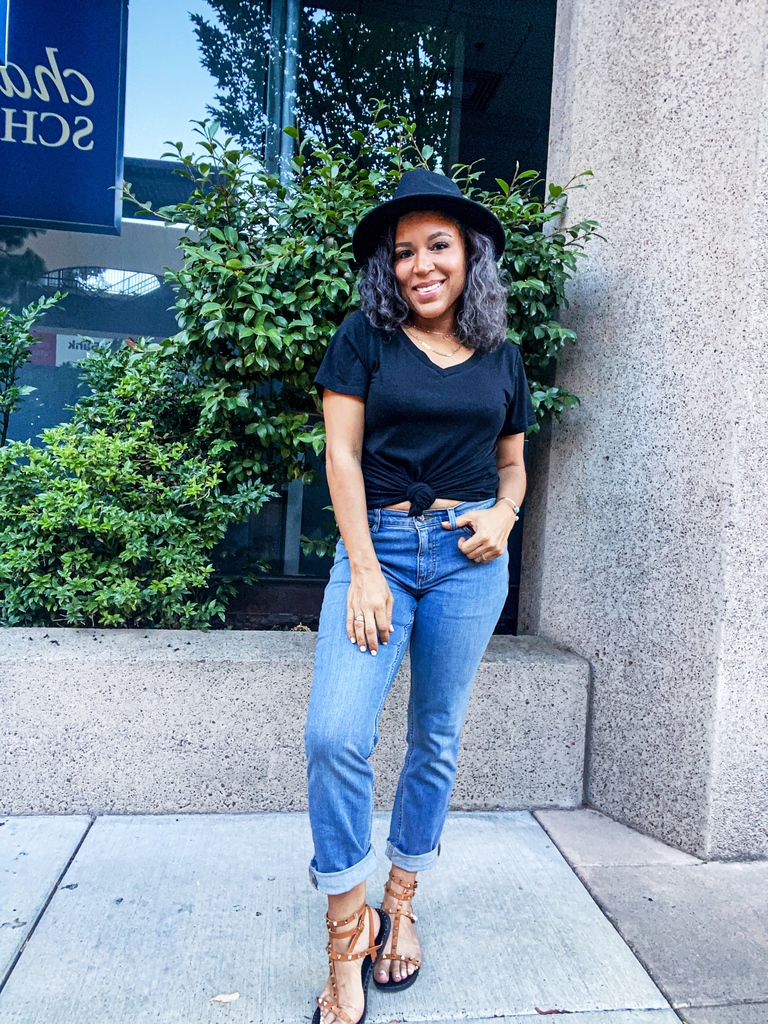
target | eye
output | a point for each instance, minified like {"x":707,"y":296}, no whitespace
{"x":403,"y":252}
{"x":440,"y":245}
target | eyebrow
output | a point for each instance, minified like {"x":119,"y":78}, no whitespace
{"x":434,"y":234}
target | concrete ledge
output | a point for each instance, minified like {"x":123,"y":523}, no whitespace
{"x":131,"y":721}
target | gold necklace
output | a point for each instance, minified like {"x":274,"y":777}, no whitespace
{"x":445,"y":355}
{"x":424,"y":330}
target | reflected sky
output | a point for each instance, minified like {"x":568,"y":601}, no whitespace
{"x":166,"y":85}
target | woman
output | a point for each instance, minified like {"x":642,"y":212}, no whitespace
{"x":426,"y":407}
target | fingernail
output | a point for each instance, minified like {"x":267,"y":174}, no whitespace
{"x":374,"y":653}
{"x":362,"y":647}
{"x":353,"y":640}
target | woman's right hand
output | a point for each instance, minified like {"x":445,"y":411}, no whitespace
{"x":369,"y":609}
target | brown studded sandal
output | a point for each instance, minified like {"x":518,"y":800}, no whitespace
{"x":369,"y":957}
{"x":409,"y":891}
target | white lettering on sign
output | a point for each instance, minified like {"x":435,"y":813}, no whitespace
{"x":8,"y":87}
{"x":90,"y":95}
{"x":52,"y":85}
{"x":54,"y":74}
{"x":28,"y":126}
{"x":71,"y":348}
{"x":82,"y":133}
{"x":63,"y":133}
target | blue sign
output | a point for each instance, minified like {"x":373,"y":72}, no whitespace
{"x":62,"y":99}
{"x":3,"y":30}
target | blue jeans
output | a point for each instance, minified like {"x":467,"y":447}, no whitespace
{"x":446,"y":607}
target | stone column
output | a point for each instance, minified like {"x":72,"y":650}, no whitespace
{"x":648,"y":552}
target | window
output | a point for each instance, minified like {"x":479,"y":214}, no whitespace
{"x":475,"y":77}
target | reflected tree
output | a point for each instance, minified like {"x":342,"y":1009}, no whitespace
{"x":18,"y":264}
{"x":234,"y":48}
{"x":344,"y":62}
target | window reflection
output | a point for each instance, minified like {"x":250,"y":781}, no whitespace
{"x":476,"y":78}
{"x":18,"y":263}
{"x":235,"y":43}
{"x":347,"y":60}
{"x":100,"y":281}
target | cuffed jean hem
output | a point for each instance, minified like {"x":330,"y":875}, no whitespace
{"x":333,"y":883}
{"x":422,"y":862}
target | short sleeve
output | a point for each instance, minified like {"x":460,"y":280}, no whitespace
{"x":346,"y":365}
{"x":520,"y":414}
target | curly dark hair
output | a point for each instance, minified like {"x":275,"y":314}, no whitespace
{"x":481,"y":319}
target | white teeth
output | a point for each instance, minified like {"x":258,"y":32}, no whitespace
{"x":429,"y":288}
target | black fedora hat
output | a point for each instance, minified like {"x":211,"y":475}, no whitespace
{"x":421,"y":189}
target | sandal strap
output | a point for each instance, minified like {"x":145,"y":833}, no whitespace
{"x":401,"y":913}
{"x":401,"y":897}
{"x":405,"y":883}
{"x":365,"y":913}
{"x":334,"y":1008}
{"x":346,"y":957}
{"x":330,"y":925}
{"x":401,"y":956}
{"x":409,"y":891}
{"x":345,"y":935}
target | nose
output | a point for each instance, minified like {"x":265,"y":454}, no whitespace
{"x":423,"y":263}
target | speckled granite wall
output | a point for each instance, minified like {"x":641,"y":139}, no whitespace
{"x":125,"y":721}
{"x":651,"y":549}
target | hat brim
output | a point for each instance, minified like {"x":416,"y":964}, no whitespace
{"x":376,"y":222}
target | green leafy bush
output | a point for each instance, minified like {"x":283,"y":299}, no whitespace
{"x":15,"y":339}
{"x":113,"y":520}
{"x":101,"y":528}
{"x":140,"y":382}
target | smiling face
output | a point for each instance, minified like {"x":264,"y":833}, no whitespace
{"x":430,"y":265}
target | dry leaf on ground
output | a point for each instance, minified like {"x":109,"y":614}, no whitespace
{"x":227,"y":997}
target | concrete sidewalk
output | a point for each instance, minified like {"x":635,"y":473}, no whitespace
{"x":138,"y":919}
{"x":700,"y":929}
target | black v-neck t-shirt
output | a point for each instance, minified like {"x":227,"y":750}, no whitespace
{"x":430,"y":431}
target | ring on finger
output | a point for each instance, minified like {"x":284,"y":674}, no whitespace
{"x":359,"y":618}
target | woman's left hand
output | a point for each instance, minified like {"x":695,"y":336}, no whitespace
{"x":492,"y":528}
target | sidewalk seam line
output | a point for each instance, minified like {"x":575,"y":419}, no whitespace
{"x":534,"y":1015}
{"x":54,"y":889}
{"x":614,"y":924}
{"x":718,"y":1006}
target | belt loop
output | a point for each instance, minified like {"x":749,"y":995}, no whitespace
{"x":377,"y":519}
{"x":452,"y":517}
